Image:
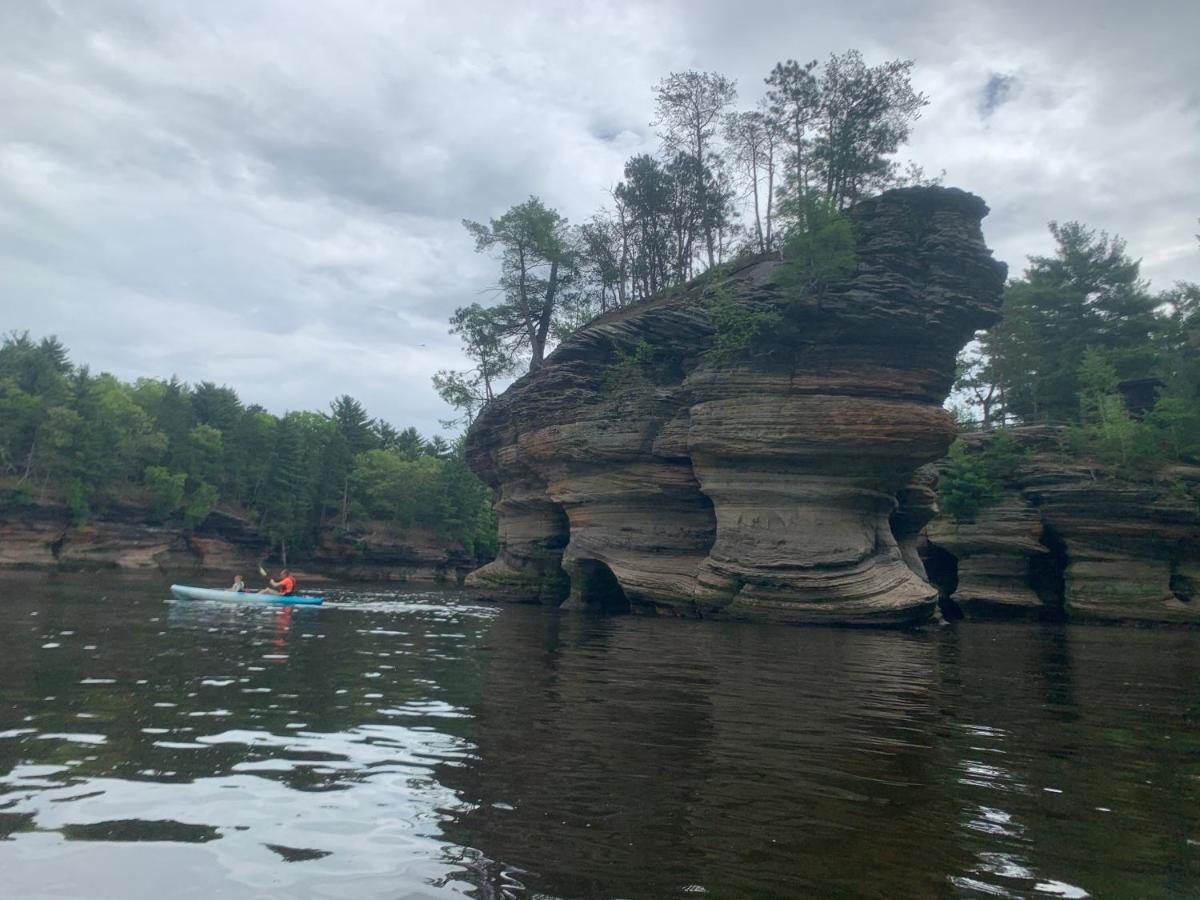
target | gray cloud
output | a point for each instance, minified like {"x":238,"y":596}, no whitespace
{"x":269,"y":194}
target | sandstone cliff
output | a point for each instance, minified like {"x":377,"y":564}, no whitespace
{"x":642,"y":468}
{"x":1068,"y":538}
{"x":38,"y":537}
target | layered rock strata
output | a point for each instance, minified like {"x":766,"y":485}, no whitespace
{"x":646,"y":465}
{"x":1070,"y":539}
{"x":40,"y":537}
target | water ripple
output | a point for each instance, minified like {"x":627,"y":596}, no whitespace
{"x":389,"y":744}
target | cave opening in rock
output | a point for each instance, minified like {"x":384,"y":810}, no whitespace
{"x":1183,"y":586}
{"x":1047,"y":575}
{"x":941,"y":567}
{"x":558,"y":527}
{"x":598,"y":587}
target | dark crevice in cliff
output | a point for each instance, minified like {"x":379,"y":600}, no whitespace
{"x":941,"y":567}
{"x":596,"y":587}
{"x":706,"y":536}
{"x":1048,"y":574}
{"x":1182,"y":586}
{"x":560,"y":534}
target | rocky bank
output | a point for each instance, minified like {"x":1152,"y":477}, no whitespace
{"x":644,"y":466}
{"x":39,"y":537}
{"x":1070,"y":539}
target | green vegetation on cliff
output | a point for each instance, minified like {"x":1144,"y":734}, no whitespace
{"x":180,"y":450}
{"x":1086,"y":344}
{"x":821,"y":138}
{"x":970,"y":480}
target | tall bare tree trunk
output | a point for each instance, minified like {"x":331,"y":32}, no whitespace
{"x":29,"y":461}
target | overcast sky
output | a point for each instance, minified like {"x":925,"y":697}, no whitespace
{"x":268,"y":194}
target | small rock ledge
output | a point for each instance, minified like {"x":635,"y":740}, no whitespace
{"x":1069,"y":539}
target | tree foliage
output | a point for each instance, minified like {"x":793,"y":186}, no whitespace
{"x":1085,"y":343}
{"x":183,"y":451}
{"x":537,"y":266}
{"x":974,"y":476}
{"x":841,"y":123}
{"x":493,"y":352}
{"x":691,"y":106}
{"x":1089,"y":294}
{"x":821,"y":138}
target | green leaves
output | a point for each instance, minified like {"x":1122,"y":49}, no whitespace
{"x":1088,"y":296}
{"x":200,"y":504}
{"x":179,"y":451}
{"x":841,"y":122}
{"x":738,"y":326}
{"x":487,"y":341}
{"x":537,"y":263}
{"x":972,"y":478}
{"x":819,"y":249}
{"x":166,"y":490}
{"x":431,"y":492}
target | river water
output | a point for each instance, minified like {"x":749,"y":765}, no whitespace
{"x":397,"y":745}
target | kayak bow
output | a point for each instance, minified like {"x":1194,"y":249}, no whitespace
{"x":187,"y":592}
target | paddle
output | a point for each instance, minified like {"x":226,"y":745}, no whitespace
{"x":263,"y":573}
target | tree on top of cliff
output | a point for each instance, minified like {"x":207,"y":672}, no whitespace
{"x":538,"y":264}
{"x":1179,"y":337}
{"x":353,"y":433}
{"x":662,"y":213}
{"x":864,"y":115}
{"x":33,"y":381}
{"x":791,"y":104}
{"x":819,"y":249}
{"x":690,"y":107}
{"x":216,"y":406}
{"x":1089,"y":294}
{"x":355,"y":426}
{"x":829,"y":131}
{"x":493,"y":352}
{"x":754,"y":140}
{"x":841,"y":123}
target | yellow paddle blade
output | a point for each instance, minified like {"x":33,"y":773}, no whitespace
{"x":262,"y":571}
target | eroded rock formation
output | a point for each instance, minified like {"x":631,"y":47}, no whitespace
{"x":1069,"y":539}
{"x":645,"y":466}
{"x":40,"y":537}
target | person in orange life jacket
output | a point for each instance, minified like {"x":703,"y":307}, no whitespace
{"x":283,"y":587}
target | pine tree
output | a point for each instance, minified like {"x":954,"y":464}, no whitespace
{"x":1089,"y":294}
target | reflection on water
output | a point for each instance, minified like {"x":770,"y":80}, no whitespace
{"x":390,"y":745}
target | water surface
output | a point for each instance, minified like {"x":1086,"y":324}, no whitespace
{"x":397,"y":744}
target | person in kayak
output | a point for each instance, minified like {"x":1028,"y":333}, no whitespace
{"x":285,"y":586}
{"x":239,"y":586}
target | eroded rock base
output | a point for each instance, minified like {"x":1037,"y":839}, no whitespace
{"x":646,"y":466}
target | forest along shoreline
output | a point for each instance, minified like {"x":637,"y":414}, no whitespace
{"x":159,"y":475}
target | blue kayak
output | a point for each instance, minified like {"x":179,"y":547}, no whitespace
{"x":186,"y":592}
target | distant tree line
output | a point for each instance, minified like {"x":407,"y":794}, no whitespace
{"x":181,"y":450}
{"x":725,"y":182}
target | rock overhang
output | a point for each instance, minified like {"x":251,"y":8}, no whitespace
{"x":755,"y":486}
